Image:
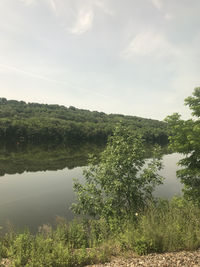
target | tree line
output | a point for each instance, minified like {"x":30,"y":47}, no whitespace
{"x":34,"y":123}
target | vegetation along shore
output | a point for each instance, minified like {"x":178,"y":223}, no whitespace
{"x":118,"y":217}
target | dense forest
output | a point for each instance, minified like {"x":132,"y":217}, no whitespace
{"x":34,"y":123}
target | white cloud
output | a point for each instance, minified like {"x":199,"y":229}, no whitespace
{"x":147,"y":43}
{"x":53,"y":5}
{"x":103,"y":5}
{"x":83,"y":22}
{"x":75,"y":16}
{"x":28,"y":2}
{"x":168,"y":16}
{"x":157,"y":3}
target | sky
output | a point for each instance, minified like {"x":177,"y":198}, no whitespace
{"x":133,"y":57}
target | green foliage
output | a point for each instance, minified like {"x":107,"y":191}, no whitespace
{"x":171,"y":227}
{"x":38,"y":123}
{"x":142,"y":246}
{"x":22,"y":247}
{"x":64,"y":246}
{"x":77,"y":235}
{"x":163,"y":226}
{"x":122,"y":182}
{"x":1,"y":252}
{"x":184,"y":138}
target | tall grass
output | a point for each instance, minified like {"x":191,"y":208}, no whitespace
{"x":164,"y":226}
{"x":73,"y":244}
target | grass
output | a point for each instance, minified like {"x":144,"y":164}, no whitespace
{"x":163,"y":227}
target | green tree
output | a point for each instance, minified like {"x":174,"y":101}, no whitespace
{"x":121,"y":182}
{"x":184,"y":138}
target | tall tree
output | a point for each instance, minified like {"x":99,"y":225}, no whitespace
{"x":185,"y":138}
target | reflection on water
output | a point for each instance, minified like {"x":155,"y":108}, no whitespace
{"x":36,"y":183}
{"x":43,"y":158}
{"x":33,"y":199}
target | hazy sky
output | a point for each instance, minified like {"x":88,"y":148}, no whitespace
{"x":136,"y":57}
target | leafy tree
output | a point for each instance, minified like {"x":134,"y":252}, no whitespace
{"x":121,"y":182}
{"x":184,"y":138}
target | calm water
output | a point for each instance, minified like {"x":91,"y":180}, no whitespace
{"x":36,"y":183}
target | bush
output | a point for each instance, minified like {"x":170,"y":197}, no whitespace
{"x":121,"y":182}
{"x":21,"y":249}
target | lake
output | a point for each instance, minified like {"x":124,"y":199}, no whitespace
{"x":36,"y":183}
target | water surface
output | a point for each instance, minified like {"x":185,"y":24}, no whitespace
{"x":37,"y":183}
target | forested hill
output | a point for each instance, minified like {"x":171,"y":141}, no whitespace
{"x":37,"y":123}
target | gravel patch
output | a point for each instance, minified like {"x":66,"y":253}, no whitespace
{"x":5,"y":263}
{"x":172,"y":259}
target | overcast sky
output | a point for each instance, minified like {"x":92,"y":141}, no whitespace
{"x":136,"y":57}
